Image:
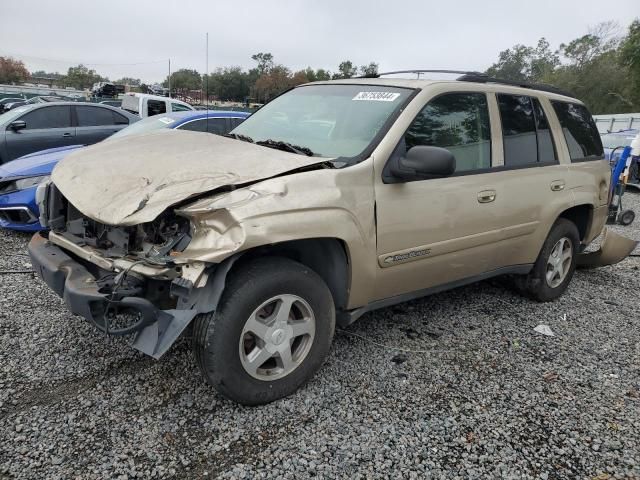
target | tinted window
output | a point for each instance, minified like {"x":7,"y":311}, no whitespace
{"x":518,"y":130}
{"x":119,"y":119}
{"x":236,"y":121}
{"x":94,"y":116}
{"x":458,"y":122}
{"x":579,"y":130}
{"x":546,"y":147}
{"x":176,"y":107}
{"x":156,"y":107}
{"x":48,"y":117}
{"x":212,"y":125}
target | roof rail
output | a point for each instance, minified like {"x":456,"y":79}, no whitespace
{"x":479,"y":77}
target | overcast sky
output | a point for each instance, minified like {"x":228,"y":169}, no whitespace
{"x":398,"y":34}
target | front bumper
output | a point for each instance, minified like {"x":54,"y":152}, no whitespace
{"x":19,"y":211}
{"x":156,"y":329}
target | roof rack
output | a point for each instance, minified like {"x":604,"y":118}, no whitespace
{"x":479,"y":77}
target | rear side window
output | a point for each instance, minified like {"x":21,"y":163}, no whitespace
{"x":580,"y":131}
{"x":458,"y":122}
{"x":58,"y":116}
{"x":156,"y":107}
{"x":211,"y":125}
{"x":94,"y":116}
{"x":525,"y":131}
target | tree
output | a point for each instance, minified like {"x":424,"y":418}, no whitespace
{"x":229,"y":83}
{"x":81,"y":77}
{"x":12,"y":71}
{"x":271,"y":84}
{"x":521,"y":63}
{"x":184,"y":80}
{"x":317,"y":75}
{"x":133,"y":82}
{"x":265,"y":62}
{"x":370,"y":70}
{"x":630,"y":59}
{"x":345,"y":70}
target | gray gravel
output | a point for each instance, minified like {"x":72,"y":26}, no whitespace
{"x":477,"y":393}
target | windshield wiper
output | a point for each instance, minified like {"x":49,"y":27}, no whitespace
{"x":287,"y":147}
{"x":239,"y":136}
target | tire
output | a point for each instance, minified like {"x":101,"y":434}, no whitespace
{"x":254,"y":295}
{"x":627,"y":217}
{"x":536,"y":285}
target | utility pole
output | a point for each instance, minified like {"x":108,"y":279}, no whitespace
{"x":169,"y":78}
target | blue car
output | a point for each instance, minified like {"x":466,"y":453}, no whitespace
{"x":20,"y":177}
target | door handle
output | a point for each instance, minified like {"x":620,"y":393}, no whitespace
{"x":486,"y":196}
{"x":66,"y":135}
{"x":557,"y":185}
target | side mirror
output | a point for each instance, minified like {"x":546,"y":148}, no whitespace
{"x":18,"y":125}
{"x":423,"y":162}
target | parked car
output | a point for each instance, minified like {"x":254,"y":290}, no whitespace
{"x":146,"y":105}
{"x":31,"y":101}
{"x":19,"y":178}
{"x":38,"y":127}
{"x":106,"y":89}
{"x":334,"y":199}
{"x":8,"y":100}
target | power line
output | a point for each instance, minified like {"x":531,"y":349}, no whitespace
{"x":83,"y":63}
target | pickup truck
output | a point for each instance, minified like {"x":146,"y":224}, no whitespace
{"x":145,"y":105}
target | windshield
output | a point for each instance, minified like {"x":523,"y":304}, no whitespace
{"x":330,"y":120}
{"x":145,"y":125}
{"x":613,"y":141}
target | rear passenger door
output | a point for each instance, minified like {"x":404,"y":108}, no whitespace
{"x":532,"y":183}
{"x":48,"y":126}
{"x":97,"y":123}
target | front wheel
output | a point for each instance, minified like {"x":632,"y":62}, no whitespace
{"x":555,"y":265}
{"x":271,"y":332}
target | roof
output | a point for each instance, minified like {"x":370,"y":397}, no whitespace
{"x":423,"y":83}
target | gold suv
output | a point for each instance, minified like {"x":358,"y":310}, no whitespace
{"x":334,"y":199}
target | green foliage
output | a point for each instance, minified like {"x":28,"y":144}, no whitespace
{"x":82,"y":77}
{"x":369,"y":70}
{"x":600,"y":68}
{"x":134,"y":82}
{"x":229,"y":83}
{"x":183,"y":80}
{"x":346,"y":69}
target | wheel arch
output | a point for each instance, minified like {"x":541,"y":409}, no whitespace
{"x":328,"y":257}
{"x":581,"y":216}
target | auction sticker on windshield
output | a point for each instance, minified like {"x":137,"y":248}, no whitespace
{"x":166,"y":120}
{"x":376,"y":96}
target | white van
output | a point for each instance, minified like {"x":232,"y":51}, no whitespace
{"x":146,"y":105}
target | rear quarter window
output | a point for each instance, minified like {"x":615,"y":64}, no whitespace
{"x":580,"y":131}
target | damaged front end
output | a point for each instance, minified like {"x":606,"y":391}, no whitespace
{"x":613,"y":249}
{"x":126,"y":280}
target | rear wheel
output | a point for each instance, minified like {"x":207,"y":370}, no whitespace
{"x":271,"y":332}
{"x":555,"y":264}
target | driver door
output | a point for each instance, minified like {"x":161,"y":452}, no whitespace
{"x":437,"y":231}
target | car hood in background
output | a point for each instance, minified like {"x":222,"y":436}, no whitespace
{"x":131,"y":180}
{"x":38,"y":163}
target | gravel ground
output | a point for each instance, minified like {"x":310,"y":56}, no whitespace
{"x":478,"y":393}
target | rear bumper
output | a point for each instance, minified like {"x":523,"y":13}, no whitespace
{"x":156,"y":329}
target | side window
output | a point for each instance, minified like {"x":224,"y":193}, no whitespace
{"x":546,"y":147}
{"x":525,"y":131}
{"x":194,"y":126}
{"x":94,"y":116}
{"x":119,"y":119}
{"x":579,"y":130}
{"x":156,"y":107}
{"x":458,"y":122}
{"x":235,"y":122}
{"x":48,"y":117}
{"x":176,"y":107}
{"x":518,"y":130}
{"x":211,"y":125}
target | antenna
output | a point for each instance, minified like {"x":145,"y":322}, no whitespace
{"x":206,"y":82}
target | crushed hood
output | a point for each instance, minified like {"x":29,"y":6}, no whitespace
{"x":132,"y":180}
